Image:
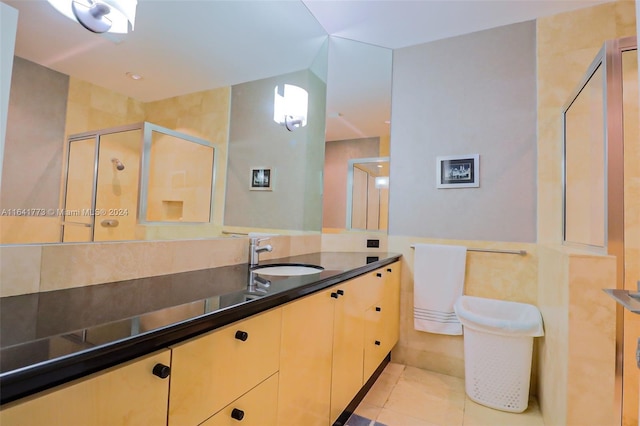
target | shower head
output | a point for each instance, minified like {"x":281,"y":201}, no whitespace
{"x":117,"y":163}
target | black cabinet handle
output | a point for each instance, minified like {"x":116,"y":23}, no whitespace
{"x":334,"y":295}
{"x":242,"y":335}
{"x":377,"y":342}
{"x":379,"y":275}
{"x":340,"y":292}
{"x":161,"y":370}
{"x":389,"y":270}
{"x":237,"y":414}
{"x":378,"y":308}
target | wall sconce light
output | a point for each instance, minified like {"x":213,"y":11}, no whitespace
{"x":382,"y":182}
{"x":290,"y":104}
{"x":99,"y":16}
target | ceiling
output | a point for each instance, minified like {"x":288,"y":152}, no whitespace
{"x":184,"y":46}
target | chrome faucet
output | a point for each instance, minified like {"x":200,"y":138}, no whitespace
{"x":255,"y":250}
{"x":257,"y":284}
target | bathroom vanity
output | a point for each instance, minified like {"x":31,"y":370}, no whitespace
{"x":208,"y":347}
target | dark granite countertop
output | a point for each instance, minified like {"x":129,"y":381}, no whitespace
{"x":50,"y":338}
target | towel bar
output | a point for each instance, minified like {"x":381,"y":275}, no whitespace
{"x":519,"y":252}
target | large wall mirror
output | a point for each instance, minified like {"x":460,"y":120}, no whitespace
{"x":585,"y":194}
{"x":79,"y":82}
{"x":358,"y":135}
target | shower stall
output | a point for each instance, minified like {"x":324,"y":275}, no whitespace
{"x":601,"y":169}
{"x":118,"y":180}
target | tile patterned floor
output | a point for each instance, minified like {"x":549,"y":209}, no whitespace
{"x":408,"y":396}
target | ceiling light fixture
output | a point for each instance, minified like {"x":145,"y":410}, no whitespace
{"x":99,"y":16}
{"x":290,"y":105}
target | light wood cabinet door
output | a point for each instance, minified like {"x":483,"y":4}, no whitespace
{"x":304,"y":395}
{"x":258,"y":407}
{"x":211,"y":371}
{"x":129,"y":394}
{"x":348,"y":343}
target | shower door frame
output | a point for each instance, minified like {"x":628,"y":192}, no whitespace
{"x":96,"y":135}
{"x":610,"y":58}
{"x":145,"y":169}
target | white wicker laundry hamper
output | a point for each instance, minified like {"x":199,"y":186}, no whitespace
{"x":498,"y":347}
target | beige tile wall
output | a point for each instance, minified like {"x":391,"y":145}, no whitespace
{"x":352,"y":241}
{"x":90,"y":107}
{"x":29,"y":229}
{"x":34,"y":268}
{"x":567,"y":43}
{"x":491,"y":275}
{"x":204,"y":115}
{"x":577,"y":354}
{"x":553,"y":354}
{"x":591,"y":340}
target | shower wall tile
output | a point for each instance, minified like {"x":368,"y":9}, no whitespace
{"x":91,"y":107}
{"x":19,"y":269}
{"x":80,"y":91}
{"x":29,"y":229}
{"x":204,"y":115}
{"x":108,"y":101}
{"x":77,"y":117}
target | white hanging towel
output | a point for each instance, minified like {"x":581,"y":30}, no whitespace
{"x":438,"y":280}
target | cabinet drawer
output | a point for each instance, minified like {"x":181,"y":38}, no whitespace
{"x":258,"y":407}
{"x":376,"y":346}
{"x":211,"y":371}
{"x":374,"y":288}
{"x":129,"y":394}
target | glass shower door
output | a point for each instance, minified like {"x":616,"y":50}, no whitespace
{"x":101,"y":192}
{"x":77,"y":225}
{"x":117,"y":186}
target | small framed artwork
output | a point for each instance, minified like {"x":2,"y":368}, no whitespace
{"x":458,"y":171}
{"x":261,"y":179}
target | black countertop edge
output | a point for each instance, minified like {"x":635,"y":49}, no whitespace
{"x":39,"y":377}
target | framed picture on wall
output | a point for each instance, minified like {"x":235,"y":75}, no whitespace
{"x":261,"y":179}
{"x":458,"y":171}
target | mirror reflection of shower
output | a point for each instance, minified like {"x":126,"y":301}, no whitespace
{"x":168,"y":178}
{"x":118,"y":164}
{"x":368,"y":194}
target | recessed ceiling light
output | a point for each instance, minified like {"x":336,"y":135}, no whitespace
{"x":134,"y":76}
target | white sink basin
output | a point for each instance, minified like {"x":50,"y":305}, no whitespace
{"x":287,"y":270}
